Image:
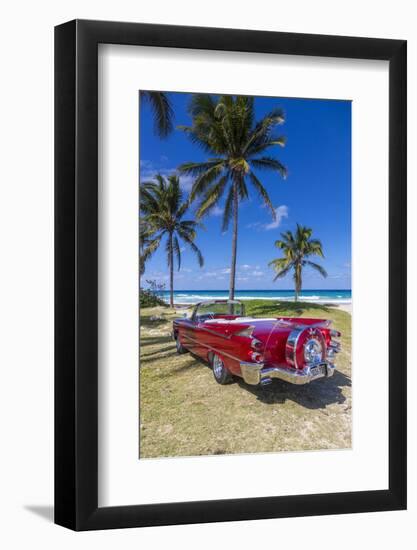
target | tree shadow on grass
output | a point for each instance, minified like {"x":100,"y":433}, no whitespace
{"x":154,"y":340}
{"x":286,"y":308}
{"x":168,"y":348}
{"x":158,"y":355}
{"x":316,"y":395}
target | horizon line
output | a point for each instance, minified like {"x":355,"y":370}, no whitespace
{"x":260,"y":290}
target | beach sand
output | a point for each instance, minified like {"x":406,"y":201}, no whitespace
{"x":344,"y":307}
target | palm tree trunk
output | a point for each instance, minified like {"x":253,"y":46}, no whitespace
{"x":298,"y":282}
{"x":171,"y":272}
{"x":234,"y":243}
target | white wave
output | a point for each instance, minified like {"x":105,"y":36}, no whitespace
{"x":194,"y":298}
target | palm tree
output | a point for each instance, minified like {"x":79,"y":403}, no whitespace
{"x":162,"y":208}
{"x":226,"y":129}
{"x":297,"y":248}
{"x":162,"y":111}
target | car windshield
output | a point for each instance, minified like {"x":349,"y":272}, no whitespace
{"x":213,"y":310}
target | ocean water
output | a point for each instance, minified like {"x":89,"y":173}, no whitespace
{"x":315,"y":296}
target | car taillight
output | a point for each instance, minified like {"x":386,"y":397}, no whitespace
{"x":256,"y":344}
{"x":313,"y":351}
{"x":333,"y":347}
{"x":256,"y":357}
{"x":304,"y":346}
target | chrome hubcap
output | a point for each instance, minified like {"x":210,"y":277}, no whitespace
{"x":217,"y":366}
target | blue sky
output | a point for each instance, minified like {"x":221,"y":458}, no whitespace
{"x":316,"y":193}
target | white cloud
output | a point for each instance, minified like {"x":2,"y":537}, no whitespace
{"x":213,"y":274}
{"x":148,"y":170}
{"x":280,"y":212}
{"x":155,"y":275}
{"x":254,"y":225}
{"x":257,"y":273}
{"x":217,"y":211}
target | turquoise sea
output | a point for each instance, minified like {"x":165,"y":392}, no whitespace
{"x":315,"y":296}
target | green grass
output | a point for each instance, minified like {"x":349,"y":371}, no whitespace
{"x":184,"y":412}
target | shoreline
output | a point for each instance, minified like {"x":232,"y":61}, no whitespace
{"x":345,"y":306}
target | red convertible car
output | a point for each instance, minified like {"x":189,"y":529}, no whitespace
{"x":297,"y":350}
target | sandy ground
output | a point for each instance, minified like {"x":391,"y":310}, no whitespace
{"x":344,"y":307}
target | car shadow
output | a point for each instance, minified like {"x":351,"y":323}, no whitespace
{"x":316,"y":395}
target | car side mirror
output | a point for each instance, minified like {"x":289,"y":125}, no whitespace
{"x":186,"y":314}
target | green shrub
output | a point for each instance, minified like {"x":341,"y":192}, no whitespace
{"x":148,"y":299}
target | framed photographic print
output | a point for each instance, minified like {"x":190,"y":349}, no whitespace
{"x":230,"y":275}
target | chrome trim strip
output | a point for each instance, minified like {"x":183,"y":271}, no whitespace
{"x":209,"y":331}
{"x":214,"y":333}
{"x":254,"y":374}
{"x":292,"y":340}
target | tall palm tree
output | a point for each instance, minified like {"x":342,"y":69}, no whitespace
{"x":163,"y":207}
{"x":162,"y":111}
{"x":225,"y":128}
{"x":297,"y":248}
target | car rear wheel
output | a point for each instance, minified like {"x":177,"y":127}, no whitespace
{"x":179,"y":346}
{"x":221,"y":374}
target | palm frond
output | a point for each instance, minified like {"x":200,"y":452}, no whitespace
{"x":266,"y":143}
{"x":269,"y":163}
{"x":202,"y":183}
{"x":151,"y":247}
{"x":282,"y":267}
{"x":198,"y":168}
{"x":228,"y":211}
{"x":212,"y":197}
{"x":317,"y":267}
{"x":190,"y":241}
{"x":162,"y":111}
{"x":262,"y":193}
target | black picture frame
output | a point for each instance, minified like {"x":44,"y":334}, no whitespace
{"x":76,"y":272}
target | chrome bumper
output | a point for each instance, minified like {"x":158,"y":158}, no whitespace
{"x":257,"y":373}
